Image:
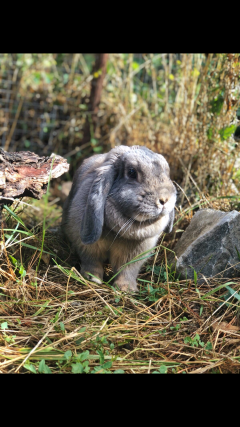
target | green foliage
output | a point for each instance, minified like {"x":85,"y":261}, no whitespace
{"x":210,"y":133}
{"x":62,"y":327}
{"x":82,"y":365}
{"x":10,"y":339}
{"x":162,"y":370}
{"x":209,"y":346}
{"x":158,"y":86}
{"x":218,"y":288}
{"x":194,"y":342}
{"x":83,"y":356}
{"x":27,"y":143}
{"x":79,"y":363}
{"x":226,"y":132}
{"x":227,"y":295}
{"x":238,"y":254}
{"x":158,"y":270}
{"x":4,"y":326}
{"x":97,"y":148}
{"x":102,"y":369}
{"x":30,"y":368}
{"x":151,"y":293}
{"x":43,"y":368}
{"x":217,"y":104}
{"x":195,"y":276}
{"x":80,"y":368}
{"x":67,"y":355}
{"x":175,"y":328}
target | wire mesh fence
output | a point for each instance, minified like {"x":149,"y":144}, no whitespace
{"x":40,"y":116}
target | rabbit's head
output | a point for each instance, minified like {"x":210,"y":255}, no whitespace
{"x":128,"y":184}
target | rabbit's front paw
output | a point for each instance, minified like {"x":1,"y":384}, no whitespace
{"x":94,"y":275}
{"x":126,"y":286}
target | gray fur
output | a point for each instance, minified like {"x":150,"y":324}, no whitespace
{"x":110,"y":215}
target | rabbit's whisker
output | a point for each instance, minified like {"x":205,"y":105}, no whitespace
{"x":128,"y":228}
{"x":123,"y":226}
{"x":111,"y":230}
{"x":130,"y":224}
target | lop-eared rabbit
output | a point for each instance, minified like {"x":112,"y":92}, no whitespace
{"x":119,"y":204}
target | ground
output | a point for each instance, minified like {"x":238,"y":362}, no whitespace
{"x":53,"y":320}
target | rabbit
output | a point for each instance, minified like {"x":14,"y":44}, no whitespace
{"x":118,"y":205}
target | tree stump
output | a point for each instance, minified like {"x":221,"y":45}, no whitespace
{"x":26,"y":174}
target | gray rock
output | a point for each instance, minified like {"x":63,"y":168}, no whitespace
{"x":210,"y":245}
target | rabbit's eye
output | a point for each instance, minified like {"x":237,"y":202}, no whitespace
{"x":132,"y":173}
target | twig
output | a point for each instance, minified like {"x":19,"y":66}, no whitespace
{"x":14,"y":124}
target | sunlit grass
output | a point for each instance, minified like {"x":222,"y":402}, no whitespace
{"x":57,"y":321}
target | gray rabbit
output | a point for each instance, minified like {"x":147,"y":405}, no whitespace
{"x":119,"y":204}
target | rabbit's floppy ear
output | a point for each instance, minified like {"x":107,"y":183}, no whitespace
{"x":93,"y":216}
{"x":169,"y":226}
{"x":92,"y":221}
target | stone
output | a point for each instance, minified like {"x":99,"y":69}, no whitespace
{"x":210,"y":245}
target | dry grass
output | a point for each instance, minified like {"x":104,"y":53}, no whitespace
{"x":182,"y":106}
{"x":176,"y":104}
{"x":171,"y":325}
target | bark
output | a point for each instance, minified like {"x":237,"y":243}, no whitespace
{"x":26,"y":174}
{"x":99,"y":69}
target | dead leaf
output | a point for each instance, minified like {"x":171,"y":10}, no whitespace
{"x":206,"y":368}
{"x":32,"y":274}
{"x":46,"y":258}
{"x":224,"y":326}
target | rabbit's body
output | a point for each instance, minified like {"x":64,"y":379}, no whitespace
{"x":119,"y":204}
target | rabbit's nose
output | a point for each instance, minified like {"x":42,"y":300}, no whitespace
{"x":163,"y":200}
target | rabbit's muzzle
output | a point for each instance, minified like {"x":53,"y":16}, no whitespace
{"x":156,"y":199}
{"x":153,"y":209}
{"x":156,"y":203}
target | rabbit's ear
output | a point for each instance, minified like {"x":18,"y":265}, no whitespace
{"x":169,"y":226}
{"x":93,"y":216}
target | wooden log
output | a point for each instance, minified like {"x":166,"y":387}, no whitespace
{"x":26,"y":174}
